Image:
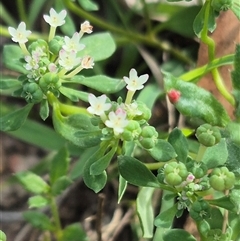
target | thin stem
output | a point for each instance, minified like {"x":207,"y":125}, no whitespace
{"x":154,"y":166}
{"x":201,"y":152}
{"x":130,"y":35}
{"x":225,"y":216}
{"x":129,"y":97}
{"x":55,"y":214}
{"x":70,"y":109}
{"x":24,"y":48}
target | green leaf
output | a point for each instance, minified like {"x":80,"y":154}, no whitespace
{"x":145,"y":211}
{"x":216,"y":155}
{"x":44,"y":110}
{"x":74,"y":95}
{"x":77,"y":128}
{"x":163,"y":151}
{"x":32,"y":182}
{"x":136,"y":173}
{"x":37,"y":201}
{"x":177,"y":235}
{"x":165,"y":218}
{"x":34,"y":10}
{"x":14,"y":120}
{"x":74,"y":232}
{"x":236,"y":72}
{"x":95,"y":182}
{"x":179,"y":143}
{"x":60,"y":185}
{"x":121,"y":188}
{"x":38,"y":220}
{"x":12,"y":55}
{"x":100,"y":83}
{"x":3,"y":236}
{"x":88,"y":5}
{"x":99,"y":46}
{"x":223,"y":202}
{"x":8,"y":83}
{"x":101,"y":164}
{"x":196,"y":102}
{"x":59,"y":165}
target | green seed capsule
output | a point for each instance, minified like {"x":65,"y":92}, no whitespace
{"x":32,"y":93}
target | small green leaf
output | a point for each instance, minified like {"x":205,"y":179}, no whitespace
{"x":44,"y":110}
{"x":163,"y":151}
{"x":59,"y":165}
{"x":74,"y":232}
{"x":145,"y":211}
{"x":196,"y":102}
{"x":88,"y":5}
{"x":16,"y":119}
{"x":37,"y":201}
{"x":12,"y":55}
{"x":136,"y":173}
{"x":95,"y":182}
{"x":100,"y":83}
{"x":121,"y":188}
{"x":177,"y":235}
{"x":216,"y":155}
{"x":101,"y":164}
{"x":179,"y":143}
{"x":74,"y":95}
{"x":38,"y":220}
{"x":165,"y":218}
{"x":8,"y":83}
{"x":3,"y":236}
{"x":223,"y":202}
{"x":99,"y":46}
{"x":77,"y":128}
{"x":32,"y":182}
{"x":60,"y":185}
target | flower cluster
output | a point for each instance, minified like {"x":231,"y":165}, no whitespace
{"x":48,"y":63}
{"x":128,"y":120}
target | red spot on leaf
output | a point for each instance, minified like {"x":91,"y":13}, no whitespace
{"x":173,"y":96}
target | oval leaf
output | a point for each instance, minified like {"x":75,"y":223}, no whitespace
{"x":16,"y":119}
{"x":136,"y":173}
{"x":196,"y":102}
{"x":178,"y":235}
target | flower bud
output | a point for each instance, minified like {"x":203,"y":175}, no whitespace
{"x":148,"y":137}
{"x":222,"y":5}
{"x":198,"y":169}
{"x":40,"y":43}
{"x":222,"y":179}
{"x":173,"y":96}
{"x":50,"y":82}
{"x":175,"y":173}
{"x":208,"y":135}
{"x":144,"y":110}
{"x":32,"y":93}
{"x":200,"y":210}
{"x":131,"y":131}
{"x":55,"y":45}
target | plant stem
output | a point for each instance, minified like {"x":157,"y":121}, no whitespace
{"x":201,"y":152}
{"x":211,"y":55}
{"x":154,"y":166}
{"x":70,"y":109}
{"x":55,"y":214}
{"x":130,"y":35}
{"x":225,"y":216}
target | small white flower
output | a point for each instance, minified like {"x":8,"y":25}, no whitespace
{"x":19,"y":35}
{"x":68,"y":60}
{"x":117,"y":121}
{"x":98,"y":104}
{"x":38,"y":53}
{"x":52,"y":68}
{"x":134,"y":82}
{"x":86,"y":27}
{"x":73,"y":43}
{"x":55,"y":19}
{"x":87,"y":62}
{"x":32,"y":63}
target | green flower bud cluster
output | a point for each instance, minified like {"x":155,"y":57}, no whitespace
{"x":216,"y":234}
{"x":50,"y":82}
{"x":145,"y":112}
{"x":222,"y":179}
{"x":56,"y":44}
{"x":131,"y":131}
{"x":200,"y":210}
{"x":148,"y":137}
{"x":222,"y":5}
{"x":32,"y":93}
{"x":208,"y":135}
{"x":198,"y":169}
{"x":175,"y":173}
